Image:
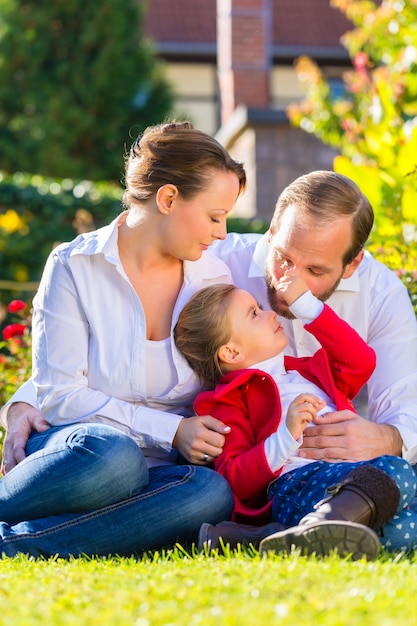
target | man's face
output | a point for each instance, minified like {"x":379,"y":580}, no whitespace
{"x":316,"y":252}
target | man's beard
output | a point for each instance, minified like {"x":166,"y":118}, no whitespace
{"x":280,"y":307}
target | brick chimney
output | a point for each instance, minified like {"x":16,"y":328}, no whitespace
{"x":244,"y":40}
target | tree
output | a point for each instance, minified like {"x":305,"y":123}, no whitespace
{"x":374,"y":123}
{"x":77,"y":81}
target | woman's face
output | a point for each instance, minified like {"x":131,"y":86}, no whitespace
{"x":191,"y":226}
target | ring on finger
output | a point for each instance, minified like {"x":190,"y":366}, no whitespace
{"x":205,"y":457}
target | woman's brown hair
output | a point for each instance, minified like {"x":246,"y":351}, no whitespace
{"x":178,"y":154}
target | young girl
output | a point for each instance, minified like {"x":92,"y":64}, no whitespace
{"x":268,"y":400}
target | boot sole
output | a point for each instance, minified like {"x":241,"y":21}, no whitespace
{"x":325,"y":538}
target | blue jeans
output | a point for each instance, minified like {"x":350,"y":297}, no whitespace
{"x":296,"y":493}
{"x":86,"y":489}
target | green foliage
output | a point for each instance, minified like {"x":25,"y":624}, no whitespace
{"x":15,"y":349}
{"x":374,"y":123}
{"x":37,"y":212}
{"x":77,"y":81}
{"x":178,"y":588}
{"x":246,"y":225}
{"x":401,"y":258}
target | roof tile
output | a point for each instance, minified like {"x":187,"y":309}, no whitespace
{"x":295,"y":22}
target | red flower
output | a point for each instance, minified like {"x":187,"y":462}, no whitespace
{"x":360,"y":61}
{"x":13,"y":330}
{"x":16,"y":305}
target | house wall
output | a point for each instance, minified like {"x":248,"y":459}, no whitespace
{"x":285,"y":88}
{"x":273,"y":153}
{"x":195,"y":86}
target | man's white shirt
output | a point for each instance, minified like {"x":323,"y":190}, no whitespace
{"x":376,"y":304}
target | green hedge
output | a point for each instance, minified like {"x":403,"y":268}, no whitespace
{"x":37,"y":212}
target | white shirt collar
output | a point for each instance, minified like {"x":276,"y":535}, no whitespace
{"x":100,"y":241}
{"x":104,"y":241}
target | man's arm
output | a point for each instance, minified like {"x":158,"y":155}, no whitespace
{"x":382,"y":313}
{"x":392,"y":333}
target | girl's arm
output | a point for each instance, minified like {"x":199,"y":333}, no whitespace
{"x":352,"y":361}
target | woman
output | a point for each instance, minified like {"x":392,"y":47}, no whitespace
{"x":106,"y":372}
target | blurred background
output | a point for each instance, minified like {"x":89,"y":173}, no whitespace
{"x":287,"y":86}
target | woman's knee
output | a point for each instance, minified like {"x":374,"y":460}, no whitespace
{"x":111,"y":455}
{"x":97,"y":457}
{"x":218,"y":497}
{"x":199,"y":493}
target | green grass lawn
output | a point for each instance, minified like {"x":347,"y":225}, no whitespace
{"x":240,"y":589}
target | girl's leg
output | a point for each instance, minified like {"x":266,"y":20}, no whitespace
{"x":361,"y":493}
{"x":400,"y":533}
{"x":176,"y":502}
{"x":296,"y":493}
{"x":73,"y":468}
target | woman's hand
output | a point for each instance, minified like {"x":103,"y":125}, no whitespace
{"x":200,"y":439}
{"x":22,"y":420}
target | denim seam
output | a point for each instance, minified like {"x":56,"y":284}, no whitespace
{"x":96,"y":514}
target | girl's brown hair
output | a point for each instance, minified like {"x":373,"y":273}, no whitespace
{"x":203,"y":327}
{"x":175,"y":153}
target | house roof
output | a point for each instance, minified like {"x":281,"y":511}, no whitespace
{"x":299,"y":27}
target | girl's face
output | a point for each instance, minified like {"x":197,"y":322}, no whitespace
{"x":256,"y":334}
{"x":191,"y":226}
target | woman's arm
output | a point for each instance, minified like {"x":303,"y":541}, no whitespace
{"x":87,"y":348}
{"x":20,"y":419}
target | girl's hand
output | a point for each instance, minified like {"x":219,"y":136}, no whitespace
{"x":302,"y":410}
{"x":200,"y":439}
{"x":291,"y":286}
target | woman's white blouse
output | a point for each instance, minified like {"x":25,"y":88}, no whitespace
{"x":89,"y":343}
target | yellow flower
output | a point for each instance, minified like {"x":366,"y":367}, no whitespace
{"x":11,"y":221}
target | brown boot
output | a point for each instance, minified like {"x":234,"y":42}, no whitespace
{"x":232,"y":534}
{"x":367,"y":497}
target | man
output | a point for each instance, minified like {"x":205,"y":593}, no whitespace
{"x":320,"y":226}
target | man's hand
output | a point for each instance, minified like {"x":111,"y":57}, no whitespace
{"x":346,"y":436}
{"x":22,"y":419}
